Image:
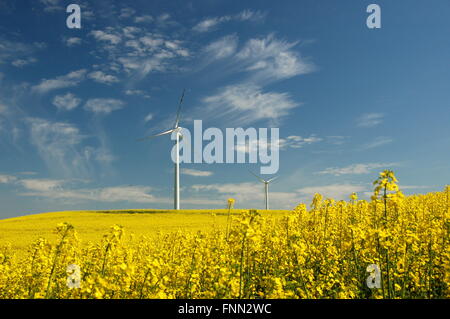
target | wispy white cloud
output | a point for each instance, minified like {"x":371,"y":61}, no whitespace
{"x":294,"y":142}
{"x":370,"y":120}
{"x":87,"y":11}
{"x":70,"y":80}
{"x":250,"y":15}
{"x":269,"y":59}
{"x":66,"y":102}
{"x":335,"y":191}
{"x":46,"y":130}
{"x":150,"y":54}
{"x":100,"y":154}
{"x":247,"y":103}
{"x":137,"y":93}
{"x":164,"y":20}
{"x":17,"y":53}
{"x":240,"y":188}
{"x":70,"y":190}
{"x":103,"y":106}
{"x":264,"y":60}
{"x":55,"y":189}
{"x":7,"y":179}
{"x":298,"y":141}
{"x":222,"y":48}
{"x":64,"y":149}
{"x":42,"y":185}
{"x":140,"y":52}
{"x":142,"y":66}
{"x":10,"y":124}
{"x":209,"y":24}
{"x":130,"y":32}
{"x":143,"y":19}
{"x":52,"y":5}
{"x":149,"y":42}
{"x":101,"y":77}
{"x":72,"y":41}
{"x":19,"y":63}
{"x":74,"y":189}
{"x":137,"y":194}
{"x":196,"y":173}
{"x":149,"y":117}
{"x":377,"y":142}
{"x":356,"y":169}
{"x":126,"y":13}
{"x":106,"y":36}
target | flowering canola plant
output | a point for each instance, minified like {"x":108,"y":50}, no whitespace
{"x":318,"y":252}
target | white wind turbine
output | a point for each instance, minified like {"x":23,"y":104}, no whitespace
{"x":179,"y":136}
{"x":266,"y":187}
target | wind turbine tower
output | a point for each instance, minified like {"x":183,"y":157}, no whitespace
{"x":178,"y":137}
{"x":266,"y":187}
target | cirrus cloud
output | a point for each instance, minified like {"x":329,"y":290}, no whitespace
{"x":101,"y":77}
{"x":377,"y":142}
{"x":196,"y":173}
{"x":335,"y":191}
{"x":248,"y":103}
{"x":222,"y":48}
{"x":66,"y":102}
{"x":69,"y":80}
{"x":209,"y":24}
{"x":103,"y":106}
{"x":105,"y":36}
{"x":269,"y":59}
{"x":370,"y":120}
{"x":7,"y":179}
{"x":356,"y":169}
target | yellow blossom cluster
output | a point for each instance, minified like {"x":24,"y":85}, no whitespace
{"x":317,"y":252}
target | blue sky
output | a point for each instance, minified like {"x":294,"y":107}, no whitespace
{"x":349,"y":101}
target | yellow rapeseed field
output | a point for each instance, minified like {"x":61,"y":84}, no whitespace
{"x":21,"y":232}
{"x":322,"y":251}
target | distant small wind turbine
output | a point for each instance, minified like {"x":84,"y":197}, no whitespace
{"x":266,"y":187}
{"x":179,"y":136}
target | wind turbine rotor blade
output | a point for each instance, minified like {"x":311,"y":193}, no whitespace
{"x":153,"y":136}
{"x":177,"y":122}
{"x":164,"y":133}
{"x":272,"y":179}
{"x":259,"y":178}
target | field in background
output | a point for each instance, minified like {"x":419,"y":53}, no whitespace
{"x":21,"y":232}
